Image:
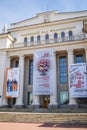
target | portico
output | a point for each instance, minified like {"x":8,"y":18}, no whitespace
{"x":66,"y":35}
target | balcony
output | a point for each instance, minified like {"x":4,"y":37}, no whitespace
{"x":50,"y":41}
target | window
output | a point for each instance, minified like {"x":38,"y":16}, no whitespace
{"x":32,"y":39}
{"x":38,"y":39}
{"x":63,"y":36}
{"x":47,"y":38}
{"x":63,"y":69}
{"x":70,"y":35}
{"x":64,"y":97}
{"x":30,"y":98}
{"x":79,"y":58}
{"x":16,"y":63}
{"x":31,"y":72}
{"x":25,"y":41}
{"x":55,"y":37}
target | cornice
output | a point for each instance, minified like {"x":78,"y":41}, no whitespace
{"x":6,"y":35}
{"x":54,"y":45}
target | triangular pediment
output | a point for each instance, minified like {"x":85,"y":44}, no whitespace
{"x":48,"y":16}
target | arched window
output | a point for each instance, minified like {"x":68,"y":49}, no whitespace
{"x":70,"y":35}
{"x":55,"y":37}
{"x":32,"y":39}
{"x":63,"y":36}
{"x":38,"y":39}
{"x":47,"y":38}
{"x":25,"y":41}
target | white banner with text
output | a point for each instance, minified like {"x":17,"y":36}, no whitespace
{"x":78,"y":79}
{"x":43,"y":81}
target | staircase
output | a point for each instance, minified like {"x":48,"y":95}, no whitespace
{"x":45,"y":110}
{"x":40,"y":115}
{"x":72,"y":118}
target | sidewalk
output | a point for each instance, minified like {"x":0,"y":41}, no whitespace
{"x":44,"y":126}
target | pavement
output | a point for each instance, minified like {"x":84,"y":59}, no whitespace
{"x":43,"y":126}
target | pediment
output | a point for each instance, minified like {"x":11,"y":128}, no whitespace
{"x":49,"y":16}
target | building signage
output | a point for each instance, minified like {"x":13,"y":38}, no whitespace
{"x":43,"y":82}
{"x":12,"y":82}
{"x":78,"y":85}
{"x":47,"y":31}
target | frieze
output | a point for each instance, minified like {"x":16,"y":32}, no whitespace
{"x":46,"y":31}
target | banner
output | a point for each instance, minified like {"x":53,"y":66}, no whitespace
{"x":78,"y":85}
{"x":43,"y":81}
{"x":12,"y":82}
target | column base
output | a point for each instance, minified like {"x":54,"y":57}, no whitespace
{"x":34,"y":106}
{"x":18,"y":106}
{"x":72,"y":101}
{"x":4,"y":106}
{"x":69,"y":106}
{"x":82,"y":105}
{"x":54,"y":106}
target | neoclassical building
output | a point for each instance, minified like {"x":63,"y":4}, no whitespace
{"x":63,"y":33}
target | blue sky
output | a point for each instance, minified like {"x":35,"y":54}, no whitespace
{"x":16,"y":10}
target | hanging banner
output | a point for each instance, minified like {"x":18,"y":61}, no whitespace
{"x":78,"y":85}
{"x":43,"y":81}
{"x":12,"y":82}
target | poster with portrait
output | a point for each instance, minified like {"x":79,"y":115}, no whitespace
{"x":12,"y":82}
{"x":43,"y":81}
{"x":78,"y":79}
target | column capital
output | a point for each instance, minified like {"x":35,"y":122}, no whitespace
{"x":54,"y":52}
{"x":9,"y":57}
{"x":21,"y":56}
{"x":8,"y":62}
{"x":70,"y":50}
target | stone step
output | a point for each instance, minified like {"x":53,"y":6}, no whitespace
{"x":44,"y":117}
{"x":41,"y":110}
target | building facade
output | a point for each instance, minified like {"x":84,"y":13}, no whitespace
{"x":65,"y":34}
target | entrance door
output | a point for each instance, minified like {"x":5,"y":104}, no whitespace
{"x":46,"y":101}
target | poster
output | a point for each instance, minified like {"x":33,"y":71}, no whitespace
{"x":12,"y":82}
{"x":43,"y":81}
{"x":78,"y":85}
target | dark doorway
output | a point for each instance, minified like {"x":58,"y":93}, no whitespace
{"x":45,"y":100}
{"x":11,"y":101}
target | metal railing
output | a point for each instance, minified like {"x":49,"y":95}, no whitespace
{"x":50,"y":41}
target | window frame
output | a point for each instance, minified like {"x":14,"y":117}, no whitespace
{"x":79,"y":56}
{"x":63,"y":70}
{"x":30,"y":72}
{"x":70,"y":35}
{"x":66,"y":92}
{"x":47,"y":38}
{"x":63,"y":36}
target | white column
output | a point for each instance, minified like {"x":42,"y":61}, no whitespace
{"x":19,"y":100}
{"x":36,"y":101}
{"x":53,"y":98}
{"x":4,"y":102}
{"x":72,"y":101}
